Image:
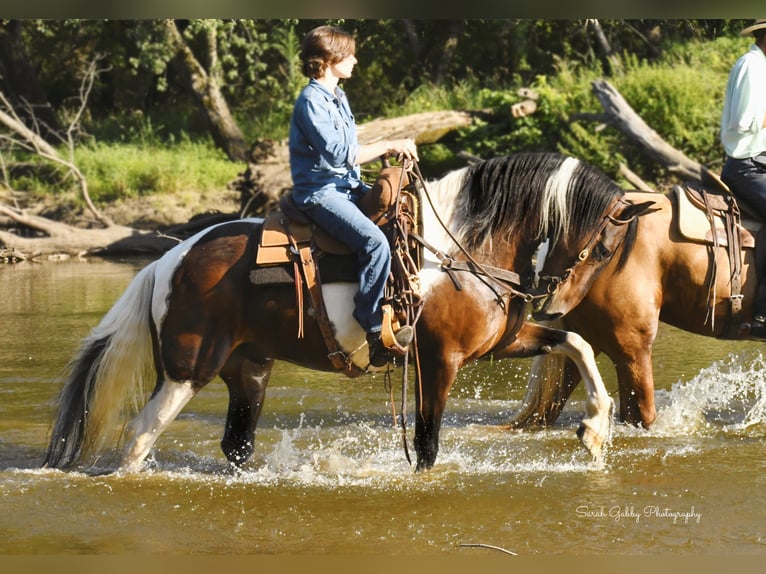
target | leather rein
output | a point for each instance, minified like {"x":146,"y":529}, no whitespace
{"x":485,"y":273}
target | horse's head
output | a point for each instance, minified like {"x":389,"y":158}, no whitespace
{"x":567,"y":270}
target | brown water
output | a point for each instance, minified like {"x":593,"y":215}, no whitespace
{"x":329,"y":474}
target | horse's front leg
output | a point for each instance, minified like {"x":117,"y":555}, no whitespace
{"x":533,"y":339}
{"x":635,"y":379}
{"x":246,"y":380}
{"x":437,"y":376}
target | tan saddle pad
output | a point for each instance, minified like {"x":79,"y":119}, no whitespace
{"x":694,"y":225}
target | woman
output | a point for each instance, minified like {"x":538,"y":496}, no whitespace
{"x":325,"y":156}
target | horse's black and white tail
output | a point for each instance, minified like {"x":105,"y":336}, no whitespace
{"x":115,"y":358}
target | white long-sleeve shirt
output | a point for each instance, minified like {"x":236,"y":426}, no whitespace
{"x":744,"y":109}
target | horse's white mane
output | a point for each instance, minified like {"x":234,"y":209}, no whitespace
{"x":554,"y":204}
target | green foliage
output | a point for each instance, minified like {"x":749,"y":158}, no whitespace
{"x":145,"y":133}
{"x":680,"y":96}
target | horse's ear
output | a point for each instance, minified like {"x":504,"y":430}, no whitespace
{"x":637,"y":210}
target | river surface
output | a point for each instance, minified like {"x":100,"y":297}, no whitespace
{"x":329,"y":475}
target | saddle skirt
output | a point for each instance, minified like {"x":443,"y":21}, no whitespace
{"x":283,"y":229}
{"x":712,"y":216}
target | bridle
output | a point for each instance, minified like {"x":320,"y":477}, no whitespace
{"x":549,"y":284}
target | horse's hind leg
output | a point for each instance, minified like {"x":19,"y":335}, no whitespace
{"x":168,"y":399}
{"x":246,"y":380}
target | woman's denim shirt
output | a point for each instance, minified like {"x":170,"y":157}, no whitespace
{"x":323,"y":143}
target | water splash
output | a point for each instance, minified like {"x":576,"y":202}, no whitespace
{"x":729,"y":394}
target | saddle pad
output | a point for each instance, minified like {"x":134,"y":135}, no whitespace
{"x":693,"y":223}
{"x":332,"y":269}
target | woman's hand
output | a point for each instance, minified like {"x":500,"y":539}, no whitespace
{"x":403,"y":149}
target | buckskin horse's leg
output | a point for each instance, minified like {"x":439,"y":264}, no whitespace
{"x":534,"y":339}
{"x":246,"y":380}
{"x":635,"y":378}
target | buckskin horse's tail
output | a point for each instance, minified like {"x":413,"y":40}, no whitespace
{"x":540,"y":405}
{"x":116,"y":357}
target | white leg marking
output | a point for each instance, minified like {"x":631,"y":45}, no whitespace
{"x":595,"y":429}
{"x":339,"y":301}
{"x":154,"y":418}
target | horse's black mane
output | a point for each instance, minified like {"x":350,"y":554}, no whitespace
{"x":508,"y":193}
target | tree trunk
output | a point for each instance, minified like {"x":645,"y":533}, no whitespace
{"x":606,"y":48}
{"x":621,"y":115}
{"x":206,"y":89}
{"x":448,"y":50}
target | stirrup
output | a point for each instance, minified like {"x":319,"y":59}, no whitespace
{"x":395,"y":338}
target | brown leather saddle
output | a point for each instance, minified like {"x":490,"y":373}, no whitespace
{"x":293,"y":249}
{"x":709,"y":213}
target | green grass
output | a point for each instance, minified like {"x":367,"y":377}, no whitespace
{"x":114,"y":171}
{"x":127,"y":170}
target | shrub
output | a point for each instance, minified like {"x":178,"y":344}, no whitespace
{"x":680,"y":97}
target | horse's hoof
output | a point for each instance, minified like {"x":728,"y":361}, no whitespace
{"x":424,"y":465}
{"x":592,"y":441}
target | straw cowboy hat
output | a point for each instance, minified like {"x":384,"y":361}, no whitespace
{"x":757,"y":25}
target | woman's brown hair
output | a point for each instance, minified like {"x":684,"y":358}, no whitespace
{"x":323,"y":46}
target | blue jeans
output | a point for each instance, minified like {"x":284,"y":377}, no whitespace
{"x":747,"y":180}
{"x":336,"y":213}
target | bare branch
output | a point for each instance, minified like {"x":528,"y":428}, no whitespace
{"x":633,"y":178}
{"x":622,"y":116}
{"x":31,"y":139}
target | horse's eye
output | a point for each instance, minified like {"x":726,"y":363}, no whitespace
{"x":600,"y":252}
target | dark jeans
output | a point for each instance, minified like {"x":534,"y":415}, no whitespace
{"x":747,"y":180}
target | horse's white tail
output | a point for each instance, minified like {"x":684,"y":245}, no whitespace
{"x":114,"y":359}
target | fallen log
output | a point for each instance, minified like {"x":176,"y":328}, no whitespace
{"x":267,"y":177}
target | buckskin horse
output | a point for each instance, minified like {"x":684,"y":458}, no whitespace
{"x":195,"y":313}
{"x":692,"y":264}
